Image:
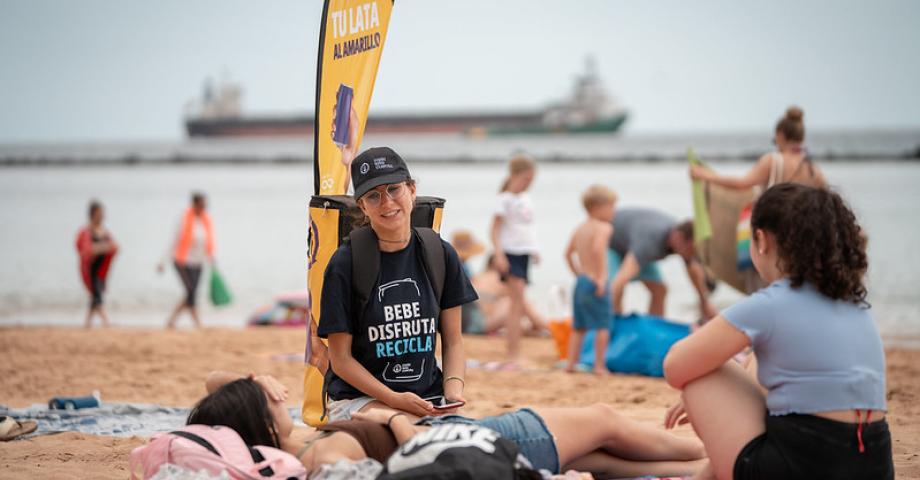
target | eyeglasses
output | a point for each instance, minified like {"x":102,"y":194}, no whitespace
{"x":395,"y":191}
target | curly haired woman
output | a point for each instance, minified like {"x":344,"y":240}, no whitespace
{"x":819,"y":354}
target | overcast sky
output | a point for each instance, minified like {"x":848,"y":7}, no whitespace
{"x":122,"y":70}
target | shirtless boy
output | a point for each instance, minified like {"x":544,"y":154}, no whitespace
{"x":587,"y":258}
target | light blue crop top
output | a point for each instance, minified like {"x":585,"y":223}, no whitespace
{"x":814,"y":354}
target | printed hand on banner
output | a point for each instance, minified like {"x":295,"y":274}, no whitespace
{"x":349,"y":151}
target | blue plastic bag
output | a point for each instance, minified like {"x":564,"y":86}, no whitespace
{"x":638,"y":344}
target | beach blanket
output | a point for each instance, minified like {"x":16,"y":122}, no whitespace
{"x":111,"y":419}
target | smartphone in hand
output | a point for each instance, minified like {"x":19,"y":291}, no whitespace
{"x":441,"y":403}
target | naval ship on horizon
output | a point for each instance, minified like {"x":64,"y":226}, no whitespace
{"x":589,"y":108}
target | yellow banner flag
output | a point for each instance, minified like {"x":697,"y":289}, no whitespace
{"x":351,"y":41}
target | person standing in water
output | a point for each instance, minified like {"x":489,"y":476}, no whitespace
{"x":96,"y":248}
{"x":193,"y":245}
{"x":515,"y":246}
{"x":789,"y":163}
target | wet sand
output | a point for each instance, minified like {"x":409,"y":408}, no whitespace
{"x":169,"y":368}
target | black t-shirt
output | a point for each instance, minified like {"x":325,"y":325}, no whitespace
{"x":395,"y":338}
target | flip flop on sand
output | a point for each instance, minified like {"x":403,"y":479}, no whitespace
{"x":10,"y":428}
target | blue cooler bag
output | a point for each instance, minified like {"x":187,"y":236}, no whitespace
{"x":638,"y":344}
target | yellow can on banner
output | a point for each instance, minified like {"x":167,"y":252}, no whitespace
{"x":351,"y":41}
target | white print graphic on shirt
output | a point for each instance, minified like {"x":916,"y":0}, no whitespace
{"x":396,"y":283}
{"x":403,"y":372}
{"x":405,"y":331}
{"x":424,"y":448}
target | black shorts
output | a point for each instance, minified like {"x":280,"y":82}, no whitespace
{"x":808,"y":447}
{"x":518,"y":266}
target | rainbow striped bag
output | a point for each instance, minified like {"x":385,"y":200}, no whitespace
{"x":743,"y":239}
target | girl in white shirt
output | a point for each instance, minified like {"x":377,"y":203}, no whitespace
{"x":514,"y":240}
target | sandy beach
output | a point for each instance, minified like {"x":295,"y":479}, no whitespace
{"x":168,"y":368}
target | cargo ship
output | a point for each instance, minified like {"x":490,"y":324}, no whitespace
{"x":589,"y":108}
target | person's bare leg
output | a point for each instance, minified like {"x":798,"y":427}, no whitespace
{"x":537,"y":320}
{"x":601,"y":340}
{"x":516,"y":288}
{"x":498,"y":316}
{"x":579,"y":431}
{"x":658,"y":292}
{"x":104,"y":316}
{"x":88,"y":323}
{"x":195,"y":318}
{"x":174,"y":316}
{"x":575,"y":341}
{"x":602,"y":462}
{"x":706,"y":472}
{"x":726,"y":409}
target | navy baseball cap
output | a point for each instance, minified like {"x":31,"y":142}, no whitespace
{"x":375,"y":167}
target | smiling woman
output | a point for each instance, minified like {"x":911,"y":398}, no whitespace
{"x":381,"y":348}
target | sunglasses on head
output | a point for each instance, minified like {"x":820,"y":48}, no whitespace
{"x":394,"y":191}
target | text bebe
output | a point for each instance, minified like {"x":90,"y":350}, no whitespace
{"x":401,"y":311}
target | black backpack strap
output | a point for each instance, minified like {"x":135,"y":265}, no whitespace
{"x":435,"y":259}
{"x":365,"y":264}
{"x":258,"y":458}
{"x":195,"y":438}
{"x":255,"y":454}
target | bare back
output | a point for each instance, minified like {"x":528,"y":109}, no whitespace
{"x":589,"y":243}
{"x":794,"y":168}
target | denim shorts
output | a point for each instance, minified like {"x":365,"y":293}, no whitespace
{"x":523,"y":427}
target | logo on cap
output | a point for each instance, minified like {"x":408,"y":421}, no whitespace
{"x":380,"y":163}
{"x":365,"y":168}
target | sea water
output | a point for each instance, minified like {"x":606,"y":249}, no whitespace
{"x":260,"y":220}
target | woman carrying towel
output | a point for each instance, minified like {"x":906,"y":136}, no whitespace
{"x":789,"y":163}
{"x":192,"y":247}
{"x":817,"y":407}
{"x":383,"y":352}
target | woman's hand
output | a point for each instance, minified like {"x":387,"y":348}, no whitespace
{"x":500,"y":262}
{"x":274,"y":389}
{"x":676,"y":415}
{"x":349,"y":150}
{"x":699,"y":172}
{"x":453,"y":392}
{"x":411,"y":403}
{"x":600,"y":289}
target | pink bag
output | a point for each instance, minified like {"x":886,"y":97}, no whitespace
{"x":214,"y":449}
